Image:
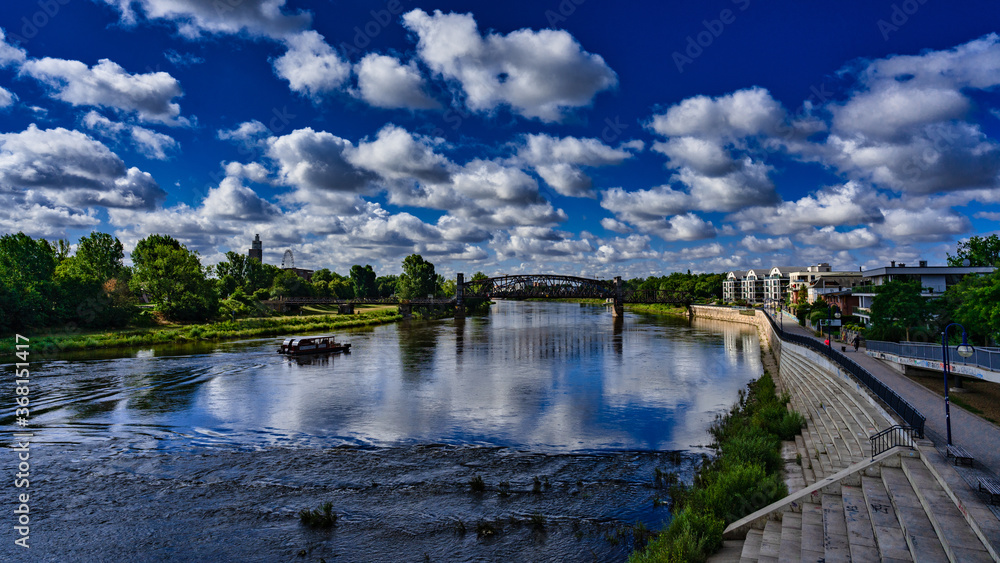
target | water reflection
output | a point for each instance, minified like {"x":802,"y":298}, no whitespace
{"x":548,"y":376}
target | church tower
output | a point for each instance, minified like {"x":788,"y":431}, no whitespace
{"x":257,"y":249}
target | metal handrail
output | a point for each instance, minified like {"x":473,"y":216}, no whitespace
{"x":984,"y":358}
{"x":897,"y":435}
{"x":899,"y":405}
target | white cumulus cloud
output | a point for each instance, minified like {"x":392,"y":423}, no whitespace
{"x":385,"y":82}
{"x":311,"y":66}
{"x":150,"y":96}
{"x":538,"y":74}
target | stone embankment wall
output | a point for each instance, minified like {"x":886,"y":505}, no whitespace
{"x":742,"y":316}
{"x":758,"y":319}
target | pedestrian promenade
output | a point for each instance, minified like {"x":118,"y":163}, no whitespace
{"x":978,"y":436}
{"x":903,"y":505}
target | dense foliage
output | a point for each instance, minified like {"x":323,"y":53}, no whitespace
{"x":418,"y":279}
{"x":42,"y":285}
{"x":699,"y":287}
{"x":979,"y":251}
{"x":174,"y":279}
{"x":744,"y":477}
{"x":897,"y":307}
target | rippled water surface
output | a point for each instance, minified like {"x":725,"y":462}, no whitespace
{"x":546,"y":376}
{"x":210,"y":453}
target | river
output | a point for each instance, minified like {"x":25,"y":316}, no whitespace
{"x":209,"y":452}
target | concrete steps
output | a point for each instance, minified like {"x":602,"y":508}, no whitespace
{"x":845,"y":507}
{"x":893,"y":509}
{"x":840,"y":419}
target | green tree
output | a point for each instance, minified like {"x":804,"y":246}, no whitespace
{"x":386,"y":285}
{"x":84,"y":298}
{"x":101,"y":254}
{"x":479,"y":276}
{"x":980,"y":251}
{"x":898,"y":306}
{"x":289,"y":284}
{"x":323,"y":275}
{"x":62,"y":249}
{"x":27,"y":267}
{"x":173,"y":277}
{"x":418,"y":279}
{"x":341,"y":287}
{"x":445,"y":287}
{"x":363,"y":280}
{"x":978,"y":308}
{"x":239,"y":270}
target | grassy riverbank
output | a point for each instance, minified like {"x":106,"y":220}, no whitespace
{"x":54,"y":342}
{"x":658,"y":309}
{"x":745,"y":476}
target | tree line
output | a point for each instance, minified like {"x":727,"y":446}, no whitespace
{"x":699,"y":287}
{"x":43,"y":284}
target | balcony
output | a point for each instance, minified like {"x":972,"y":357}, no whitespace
{"x":863,"y":311}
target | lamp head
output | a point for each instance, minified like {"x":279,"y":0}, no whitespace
{"x":837,"y":315}
{"x":964,"y":349}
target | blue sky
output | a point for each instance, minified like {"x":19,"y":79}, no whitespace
{"x":575,"y":136}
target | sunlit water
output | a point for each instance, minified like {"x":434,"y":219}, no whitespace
{"x":552,"y":377}
{"x":209,"y":453}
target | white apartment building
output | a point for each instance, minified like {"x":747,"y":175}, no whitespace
{"x":934,"y":281}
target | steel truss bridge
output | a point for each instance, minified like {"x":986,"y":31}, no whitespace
{"x":522,"y":286}
{"x":549,"y":286}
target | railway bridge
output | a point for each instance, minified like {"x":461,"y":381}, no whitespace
{"x":520,"y":286}
{"x":550,"y":286}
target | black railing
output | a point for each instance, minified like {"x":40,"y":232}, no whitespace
{"x":891,"y":437}
{"x":909,"y":415}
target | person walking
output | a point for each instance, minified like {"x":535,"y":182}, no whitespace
{"x":856,"y":344}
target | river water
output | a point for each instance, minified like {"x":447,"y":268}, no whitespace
{"x":210,"y":452}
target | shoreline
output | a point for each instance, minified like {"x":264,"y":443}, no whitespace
{"x":50,"y":343}
{"x":734,"y":482}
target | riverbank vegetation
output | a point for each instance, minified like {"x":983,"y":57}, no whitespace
{"x":46,"y":286}
{"x":743,"y":477}
{"x":46,"y":343}
{"x":698,"y":288}
{"x":659,"y":309}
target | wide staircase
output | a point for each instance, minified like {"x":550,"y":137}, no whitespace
{"x":906,"y":504}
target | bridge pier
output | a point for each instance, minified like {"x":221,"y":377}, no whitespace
{"x":460,"y":296}
{"x":618,"y":309}
{"x":345,"y":309}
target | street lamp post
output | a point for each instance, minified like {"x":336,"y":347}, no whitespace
{"x":963,"y":350}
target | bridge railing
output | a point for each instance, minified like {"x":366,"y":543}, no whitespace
{"x":984,"y":358}
{"x":909,"y":415}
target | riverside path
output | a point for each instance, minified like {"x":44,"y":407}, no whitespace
{"x":978,"y":436}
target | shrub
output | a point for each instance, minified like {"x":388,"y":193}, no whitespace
{"x":738,"y":490}
{"x":692,"y":535}
{"x":754,"y":445}
{"x":743,"y":478}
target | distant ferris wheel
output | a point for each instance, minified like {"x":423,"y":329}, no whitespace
{"x":288,"y":261}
